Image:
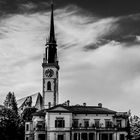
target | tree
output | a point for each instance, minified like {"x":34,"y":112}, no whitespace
{"x":27,"y":113}
{"x":14,"y":104}
{"x":7,"y":102}
{"x":135,"y":127}
{"x":10,"y":102}
{"x":9,"y":125}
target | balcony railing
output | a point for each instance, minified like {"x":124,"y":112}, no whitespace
{"x":113,"y":128}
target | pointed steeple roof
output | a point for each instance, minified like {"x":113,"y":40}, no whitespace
{"x":52,"y":31}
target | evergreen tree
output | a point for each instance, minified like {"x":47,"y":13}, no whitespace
{"x":10,"y":102}
{"x":27,"y":113}
{"x":11,"y":125}
{"x":7,"y":102}
{"x":14,"y":104}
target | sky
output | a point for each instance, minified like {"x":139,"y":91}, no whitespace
{"x":98,"y":49}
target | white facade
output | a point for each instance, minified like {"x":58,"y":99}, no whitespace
{"x":62,"y":123}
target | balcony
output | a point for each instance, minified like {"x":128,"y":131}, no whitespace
{"x":95,"y":128}
{"x":99,"y":128}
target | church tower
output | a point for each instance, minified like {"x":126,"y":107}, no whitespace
{"x":50,"y":68}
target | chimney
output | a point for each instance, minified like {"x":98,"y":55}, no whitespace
{"x":84,"y":104}
{"x":49,"y":104}
{"x":68,"y":102}
{"x":100,"y":105}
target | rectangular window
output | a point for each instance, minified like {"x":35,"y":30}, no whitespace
{"x":75,"y":136}
{"x":41,"y":136}
{"x":108,"y":123}
{"x":119,"y":123}
{"x":27,"y":138}
{"x":86,"y":123}
{"x":27,"y":127}
{"x":91,"y":136}
{"x":110,"y":136}
{"x":60,"y":137}
{"x":97,"y":123}
{"x":75,"y":123}
{"x":122,"y":137}
{"x":59,"y":123}
{"x":106,"y":136}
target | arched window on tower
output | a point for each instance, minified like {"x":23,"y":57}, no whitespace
{"x":49,"y":85}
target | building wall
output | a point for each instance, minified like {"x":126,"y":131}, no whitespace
{"x":51,"y":117}
{"x":52,"y":133}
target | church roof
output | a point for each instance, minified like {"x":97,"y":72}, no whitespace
{"x":34,"y":97}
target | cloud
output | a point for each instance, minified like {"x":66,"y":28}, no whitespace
{"x":93,"y":66}
{"x":127,"y":30}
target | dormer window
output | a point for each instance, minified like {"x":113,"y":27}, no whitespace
{"x":59,"y":123}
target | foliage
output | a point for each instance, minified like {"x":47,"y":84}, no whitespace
{"x":10,"y":125}
{"x":27,"y":113}
{"x":10,"y":102}
{"x":135,"y":127}
{"x":7,"y":102}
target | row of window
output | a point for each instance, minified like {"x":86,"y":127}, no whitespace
{"x":97,"y":123}
{"x":60,"y":123}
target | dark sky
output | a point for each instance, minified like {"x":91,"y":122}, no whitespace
{"x":100,"y":7}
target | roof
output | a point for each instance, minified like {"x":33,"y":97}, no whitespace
{"x":76,"y":110}
{"x":39,"y":113}
{"x":122,"y":115}
{"x":34,"y":97}
{"x":83,"y":110}
{"x":90,"y":110}
{"x":1,"y":106}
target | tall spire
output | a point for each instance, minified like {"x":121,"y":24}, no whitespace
{"x":51,"y":49}
{"x":52,"y":31}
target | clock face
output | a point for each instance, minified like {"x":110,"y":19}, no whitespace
{"x":49,"y":73}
